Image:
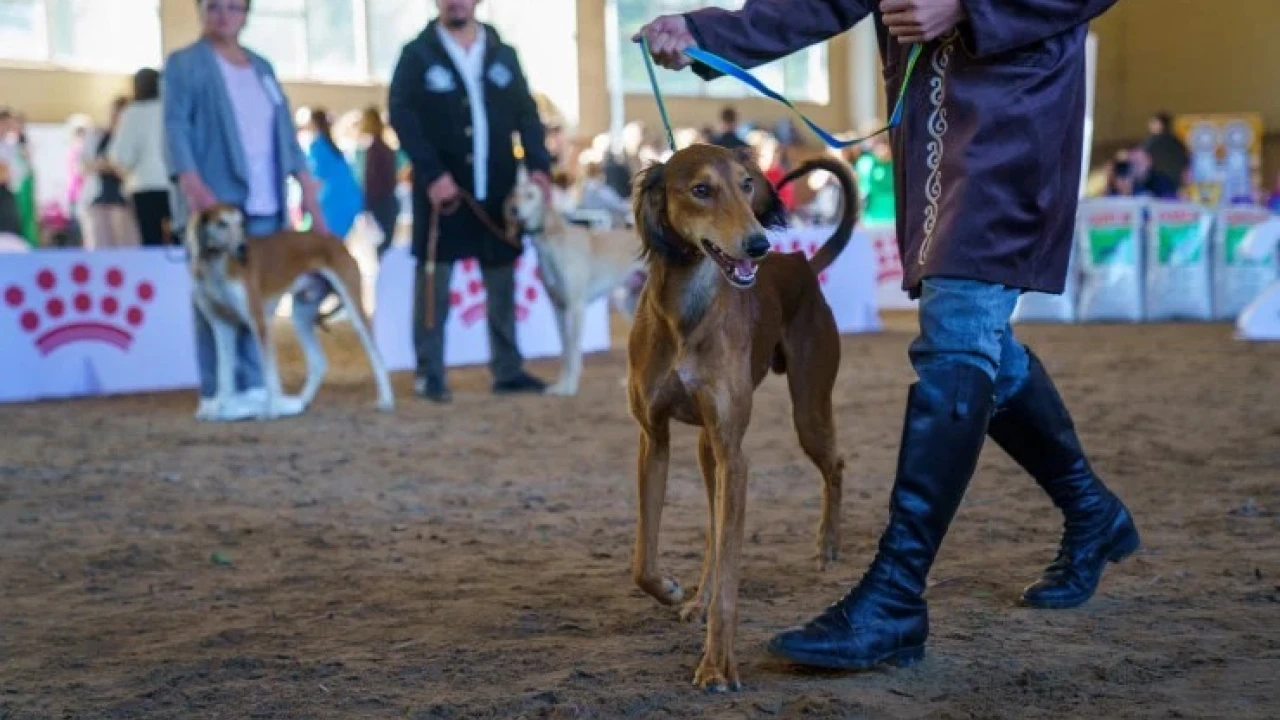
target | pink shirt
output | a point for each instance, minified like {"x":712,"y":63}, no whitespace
{"x":255,"y":117}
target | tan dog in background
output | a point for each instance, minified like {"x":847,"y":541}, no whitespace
{"x":239,"y":281}
{"x":717,"y":313}
{"x":579,"y":265}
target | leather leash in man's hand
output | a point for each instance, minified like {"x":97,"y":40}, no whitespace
{"x":509,"y":235}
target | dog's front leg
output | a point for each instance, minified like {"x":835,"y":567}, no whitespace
{"x":571,"y":316}
{"x":224,"y":351}
{"x":655,"y":454}
{"x":696,"y":609}
{"x":270,"y":366}
{"x":718,"y":670}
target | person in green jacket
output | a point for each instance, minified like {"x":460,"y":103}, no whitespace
{"x":874,"y":168}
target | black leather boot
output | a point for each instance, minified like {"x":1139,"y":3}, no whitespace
{"x":1035,"y":429}
{"x":883,"y":620}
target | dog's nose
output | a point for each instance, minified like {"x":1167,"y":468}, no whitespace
{"x":756,"y":246}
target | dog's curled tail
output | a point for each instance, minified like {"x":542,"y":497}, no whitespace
{"x":849,"y":206}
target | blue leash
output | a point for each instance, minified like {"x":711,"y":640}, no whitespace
{"x":725,"y":67}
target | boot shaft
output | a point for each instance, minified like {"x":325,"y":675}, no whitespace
{"x":942,"y":436}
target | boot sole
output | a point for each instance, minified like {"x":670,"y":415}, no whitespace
{"x":1125,"y":546}
{"x":903,"y":657}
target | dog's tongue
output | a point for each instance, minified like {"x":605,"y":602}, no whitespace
{"x":745,"y":267}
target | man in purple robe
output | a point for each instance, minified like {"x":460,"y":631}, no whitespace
{"x":987,"y":168}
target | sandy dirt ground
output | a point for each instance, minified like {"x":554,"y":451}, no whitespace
{"x":472,"y":562}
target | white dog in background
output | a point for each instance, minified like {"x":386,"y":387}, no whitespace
{"x":579,"y":265}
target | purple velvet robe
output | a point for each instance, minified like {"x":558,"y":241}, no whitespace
{"x":987,"y":158}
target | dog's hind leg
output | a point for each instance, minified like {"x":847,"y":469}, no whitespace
{"x":305,"y":315}
{"x":811,"y":381}
{"x":654,"y":460}
{"x":696,"y":609}
{"x":345,"y":279}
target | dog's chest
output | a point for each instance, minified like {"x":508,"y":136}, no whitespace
{"x":227,"y":294}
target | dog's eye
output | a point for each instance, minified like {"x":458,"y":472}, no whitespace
{"x":748,"y":185}
{"x":702,"y":191}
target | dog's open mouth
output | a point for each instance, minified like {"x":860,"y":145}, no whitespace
{"x":739,"y":272}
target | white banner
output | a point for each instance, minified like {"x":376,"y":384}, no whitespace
{"x":466,"y":333}
{"x":883,"y":241}
{"x":75,"y":323}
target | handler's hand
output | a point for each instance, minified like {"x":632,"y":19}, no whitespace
{"x":443,"y":191}
{"x":668,"y":37}
{"x":919,"y":21}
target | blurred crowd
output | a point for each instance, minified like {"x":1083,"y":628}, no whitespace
{"x":596,"y":174}
{"x":117,"y":190}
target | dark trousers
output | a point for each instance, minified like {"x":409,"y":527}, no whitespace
{"x":505,"y":361}
{"x":385,"y":211}
{"x":151,"y":208}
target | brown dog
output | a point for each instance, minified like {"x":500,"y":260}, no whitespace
{"x":239,"y":280}
{"x":716,"y":314}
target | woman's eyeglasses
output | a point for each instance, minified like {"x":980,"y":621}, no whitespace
{"x":228,"y":8}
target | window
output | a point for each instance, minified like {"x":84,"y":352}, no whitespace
{"x":113,"y":35}
{"x":313,"y":39}
{"x":392,"y":24}
{"x":802,"y":76}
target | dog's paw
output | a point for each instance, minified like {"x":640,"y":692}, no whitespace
{"x":717,"y":676}
{"x":386,"y":405}
{"x":561,"y":389}
{"x":828,"y":555}
{"x":664,"y":590}
{"x":207,"y":410}
{"x":695,"y":610}
{"x":284,"y":406}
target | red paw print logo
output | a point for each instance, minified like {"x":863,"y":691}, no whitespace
{"x":809,"y":250}
{"x":468,"y":299}
{"x":888,"y":261}
{"x":58,"y":311}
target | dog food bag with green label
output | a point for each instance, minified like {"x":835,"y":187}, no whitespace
{"x":1239,"y":276}
{"x":1178,"y":272}
{"x":1109,"y":255}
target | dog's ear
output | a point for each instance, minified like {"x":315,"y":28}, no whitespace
{"x":649,"y":203}
{"x":766,"y":204}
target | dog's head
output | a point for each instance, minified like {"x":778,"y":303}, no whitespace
{"x":526,"y":206}
{"x":707,"y":201}
{"x":218,"y":231}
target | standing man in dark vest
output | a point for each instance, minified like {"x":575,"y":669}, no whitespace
{"x":457,"y":96}
{"x":986,"y":166}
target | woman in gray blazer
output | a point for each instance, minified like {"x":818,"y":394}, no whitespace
{"x":230,"y":139}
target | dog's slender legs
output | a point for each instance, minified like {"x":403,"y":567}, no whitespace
{"x":224,"y":345}
{"x":811,"y":411}
{"x":304,"y":324}
{"x":696,"y":608}
{"x":386,"y":400}
{"x":655,"y":454}
{"x":260,"y":326}
{"x":718,"y":670}
{"x":571,"y":319}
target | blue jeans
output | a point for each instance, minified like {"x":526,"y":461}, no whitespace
{"x":967,"y":321}
{"x":248,"y":363}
